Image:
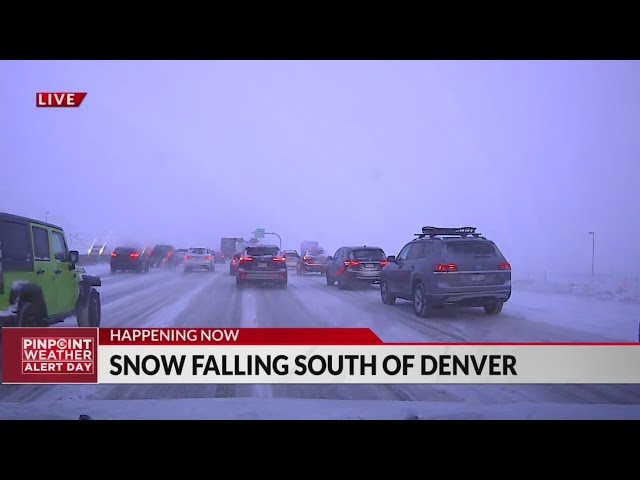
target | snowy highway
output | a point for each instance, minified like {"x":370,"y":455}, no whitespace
{"x":176,"y":299}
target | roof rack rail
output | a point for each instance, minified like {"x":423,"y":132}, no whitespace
{"x":456,"y":232}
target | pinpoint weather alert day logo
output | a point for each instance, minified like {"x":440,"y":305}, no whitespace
{"x":58,"y":355}
{"x":59,"y":99}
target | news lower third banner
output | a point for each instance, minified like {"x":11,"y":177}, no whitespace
{"x":296,"y":356}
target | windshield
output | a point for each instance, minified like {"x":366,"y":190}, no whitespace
{"x":472,"y":248}
{"x":262,"y":251}
{"x":368,"y":254}
{"x":463,"y":213}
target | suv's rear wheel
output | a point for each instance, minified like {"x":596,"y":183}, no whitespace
{"x":421,"y":304}
{"x":330,"y":281}
{"x":388,"y":298}
{"x":28,"y":315}
{"x":493,"y":308}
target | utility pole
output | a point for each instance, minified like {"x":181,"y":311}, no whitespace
{"x":593,"y":254}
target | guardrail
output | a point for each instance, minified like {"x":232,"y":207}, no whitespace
{"x":93,"y":259}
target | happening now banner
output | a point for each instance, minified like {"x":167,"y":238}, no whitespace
{"x":296,"y":356}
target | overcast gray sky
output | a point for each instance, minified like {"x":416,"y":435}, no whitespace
{"x":535,"y":154}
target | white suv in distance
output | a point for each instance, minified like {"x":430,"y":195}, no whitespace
{"x":199,"y":259}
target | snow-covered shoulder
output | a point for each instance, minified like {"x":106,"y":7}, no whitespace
{"x":299,"y":409}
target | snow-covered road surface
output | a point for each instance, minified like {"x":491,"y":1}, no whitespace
{"x":174,"y":299}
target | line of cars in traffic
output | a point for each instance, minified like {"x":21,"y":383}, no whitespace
{"x":141,"y":259}
{"x":441,"y":267}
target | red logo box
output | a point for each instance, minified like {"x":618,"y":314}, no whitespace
{"x":49,"y":355}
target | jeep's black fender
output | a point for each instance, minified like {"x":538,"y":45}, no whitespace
{"x":91,"y":281}
{"x":30,"y":292}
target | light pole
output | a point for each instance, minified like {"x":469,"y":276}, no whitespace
{"x":593,"y":253}
{"x":46,"y":216}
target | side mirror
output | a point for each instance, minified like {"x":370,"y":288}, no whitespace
{"x":74,"y":256}
{"x":391,"y":258}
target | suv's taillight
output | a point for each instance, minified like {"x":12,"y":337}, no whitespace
{"x":351,"y":263}
{"x":187,"y":257}
{"x":445,"y":267}
{"x":383,"y":263}
{"x":134,"y":255}
{"x":246,"y":259}
{"x":504,"y":266}
{"x":114,"y":254}
{"x":207,"y":257}
{"x":279,"y":259}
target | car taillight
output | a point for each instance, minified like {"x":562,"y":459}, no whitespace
{"x":187,"y":257}
{"x":114,"y":254}
{"x":246,"y":259}
{"x":383,"y":263}
{"x":504,"y":266}
{"x":279,"y":259}
{"x":134,"y":255}
{"x":208,"y":257}
{"x":449,"y":267}
{"x":351,"y":263}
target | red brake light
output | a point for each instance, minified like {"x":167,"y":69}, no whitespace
{"x":279,"y":259}
{"x":134,"y":255}
{"x":351,"y":263}
{"x":114,"y":254}
{"x":306,"y":258}
{"x":246,"y":259}
{"x":187,"y":257}
{"x":504,"y":266}
{"x":449,"y":267}
{"x":207,"y":257}
{"x":383,"y":263}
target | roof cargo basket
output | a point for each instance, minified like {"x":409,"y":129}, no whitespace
{"x":454,"y":232}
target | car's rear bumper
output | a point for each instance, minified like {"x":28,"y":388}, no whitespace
{"x":198,"y":264}
{"x":477,"y":298}
{"x":126,"y":265}
{"x":313,"y":267}
{"x":364,"y":276}
{"x":275,"y":276}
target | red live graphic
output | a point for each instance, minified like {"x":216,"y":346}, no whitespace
{"x":59,"y":99}
{"x":58,"y":355}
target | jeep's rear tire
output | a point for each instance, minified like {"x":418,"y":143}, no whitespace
{"x":28,"y":315}
{"x":330,"y":281}
{"x":493,"y":308}
{"x":89,"y":314}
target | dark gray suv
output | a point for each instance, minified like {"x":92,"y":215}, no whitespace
{"x":448,"y":267}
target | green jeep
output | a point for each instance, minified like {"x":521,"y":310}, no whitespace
{"x":39,"y":281}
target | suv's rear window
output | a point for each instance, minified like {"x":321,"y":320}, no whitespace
{"x":483,"y":249}
{"x":198,"y":251}
{"x":126,"y":250}
{"x":291,"y":254}
{"x":14,"y":241}
{"x":368,"y":254}
{"x":261,"y":251}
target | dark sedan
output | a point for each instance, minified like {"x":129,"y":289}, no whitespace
{"x":355,"y":265}
{"x":132,"y":259}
